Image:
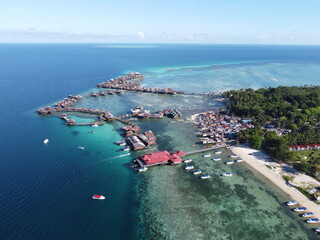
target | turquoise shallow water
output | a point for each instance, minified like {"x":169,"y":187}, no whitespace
{"x":45,"y":190}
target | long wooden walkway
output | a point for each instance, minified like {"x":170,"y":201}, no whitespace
{"x":207,"y":149}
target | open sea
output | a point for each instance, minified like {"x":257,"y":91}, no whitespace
{"x":45,"y":190}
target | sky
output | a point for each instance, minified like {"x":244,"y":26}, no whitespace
{"x":161,"y":21}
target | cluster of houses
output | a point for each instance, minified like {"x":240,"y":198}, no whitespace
{"x":59,"y":106}
{"x":130,"y":130}
{"x":140,"y":112}
{"x":141,"y":141}
{"x":125,"y":83}
{"x":279,"y":131}
{"x":104,"y":93}
{"x":305,"y":147}
{"x":218,"y":127}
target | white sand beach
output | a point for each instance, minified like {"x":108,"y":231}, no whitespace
{"x":258,"y":160}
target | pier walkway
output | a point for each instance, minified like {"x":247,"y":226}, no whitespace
{"x":207,"y":149}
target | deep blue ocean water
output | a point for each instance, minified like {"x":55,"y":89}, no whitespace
{"x":45,"y":190}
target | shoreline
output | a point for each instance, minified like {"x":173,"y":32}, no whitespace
{"x":258,"y":161}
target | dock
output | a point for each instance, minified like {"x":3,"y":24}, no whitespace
{"x":207,"y":149}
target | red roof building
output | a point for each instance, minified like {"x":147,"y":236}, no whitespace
{"x":162,"y":157}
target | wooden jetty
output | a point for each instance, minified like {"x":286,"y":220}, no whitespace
{"x":207,"y":149}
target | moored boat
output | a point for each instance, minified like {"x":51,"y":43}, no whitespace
{"x":196,"y":172}
{"x":95,"y":125}
{"x":187,"y":160}
{"x":300,"y":209}
{"x":45,"y":141}
{"x":308,"y":214}
{"x":189,"y":167}
{"x":91,"y":132}
{"x":98,"y":197}
{"x":313,"y":220}
{"x":207,"y":155}
{"x":227,"y":174}
{"x":230,"y":147}
{"x":143,"y":169}
{"x":233,"y":156}
{"x":126,"y":149}
{"x":205,"y":177}
{"x":239,"y":160}
{"x":217,"y":152}
{"x":291,"y":203}
{"x":317,"y":229}
{"x":216,"y":159}
{"x":229,"y":162}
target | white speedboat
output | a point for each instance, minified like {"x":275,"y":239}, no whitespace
{"x":189,"y":167}
{"x":81,"y":148}
{"x":313,"y":220}
{"x":196,"y":172}
{"x":205,"y":177}
{"x":291,"y":203}
{"x":187,"y":160}
{"x":95,"y":125}
{"x":239,"y":160}
{"x":143,"y":169}
{"x":300,"y":209}
{"x":233,"y":156}
{"x":126,"y":149}
{"x":308,"y":214}
{"x":227,"y":174}
{"x":217,"y":152}
{"x":46,"y":141}
{"x":229,"y":162}
{"x":207,"y":155}
{"x":91,"y":132}
{"x":317,"y":229}
{"x":216,"y":159}
{"x":98,"y":197}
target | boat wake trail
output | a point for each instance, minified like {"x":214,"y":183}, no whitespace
{"x":120,"y":156}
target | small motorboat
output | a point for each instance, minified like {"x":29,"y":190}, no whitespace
{"x":229,"y":162}
{"x":121,"y":142}
{"x":217,"y":152}
{"x":91,"y":132}
{"x":81,"y":148}
{"x":300,"y":209}
{"x":308,"y":214}
{"x":233,"y":156}
{"x":187,"y":160}
{"x":205,"y":177}
{"x":317,"y":229}
{"x":230,"y":147}
{"x":95,"y":125}
{"x":207,"y":155}
{"x":189,"y":167}
{"x":98,"y":197}
{"x":227,"y":174}
{"x":46,"y":141}
{"x":196,"y":172}
{"x":313,"y":220}
{"x":291,"y":203}
{"x":126,"y":149}
{"x":216,"y":159}
{"x":239,"y":160}
{"x":143,"y":169}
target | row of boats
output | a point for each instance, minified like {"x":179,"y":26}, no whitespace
{"x":197,"y":172}
{"x":306,"y":213}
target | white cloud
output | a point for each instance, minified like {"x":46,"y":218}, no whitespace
{"x":141,"y":35}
